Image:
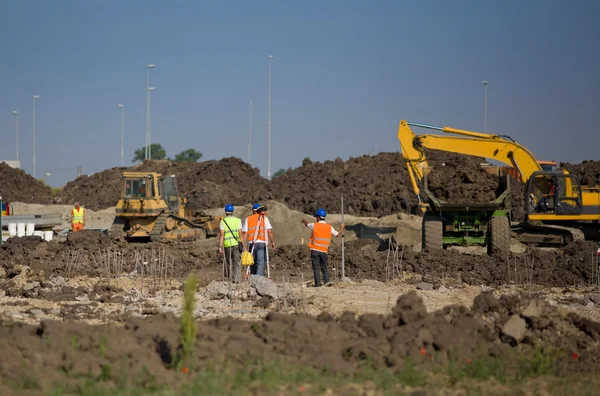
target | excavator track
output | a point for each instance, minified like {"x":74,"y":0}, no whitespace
{"x":546,"y":234}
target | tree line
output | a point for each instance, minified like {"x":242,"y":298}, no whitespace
{"x":157,"y":152}
{"x":190,"y":155}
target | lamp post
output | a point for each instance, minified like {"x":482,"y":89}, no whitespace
{"x":485,"y":85}
{"x":249,"y":132}
{"x":16,"y":113}
{"x":34,"y":98}
{"x":122,"y":131}
{"x":149,"y":138}
{"x":269,"y":127}
{"x":148,"y":67}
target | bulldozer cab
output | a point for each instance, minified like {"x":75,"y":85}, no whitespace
{"x":136,"y":186}
{"x":169,"y":193}
{"x":553,"y":193}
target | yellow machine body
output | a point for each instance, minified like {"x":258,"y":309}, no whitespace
{"x":575,"y":207}
{"x":150,"y":208}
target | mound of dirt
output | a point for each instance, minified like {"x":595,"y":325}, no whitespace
{"x":373,"y":186}
{"x":462,"y":179}
{"x":18,"y":186}
{"x":588,"y":172}
{"x":85,"y":251}
{"x":509,"y":329}
{"x":206,"y":184}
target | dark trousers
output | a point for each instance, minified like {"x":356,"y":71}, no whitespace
{"x":319,"y":261}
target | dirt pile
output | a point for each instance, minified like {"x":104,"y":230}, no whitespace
{"x":588,"y":172}
{"x":462,"y":179}
{"x":517,"y":331}
{"x":18,"y":186}
{"x":373,"y":186}
{"x":84,"y":253}
{"x":206,"y":184}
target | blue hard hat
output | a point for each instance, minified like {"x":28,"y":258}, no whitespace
{"x":229,"y":208}
{"x":255,"y":206}
{"x":321,"y":213}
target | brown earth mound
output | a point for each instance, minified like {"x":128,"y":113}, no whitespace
{"x":588,"y":172}
{"x":206,"y":184}
{"x":462,"y":179}
{"x":514,"y":331}
{"x":18,"y":186}
{"x":373,"y":186}
{"x":364,"y":259}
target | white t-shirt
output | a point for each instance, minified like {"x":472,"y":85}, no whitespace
{"x":267,"y":225}
{"x":333,"y":231}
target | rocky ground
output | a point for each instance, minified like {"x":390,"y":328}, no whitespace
{"x":93,"y":308}
{"x":90,"y":313}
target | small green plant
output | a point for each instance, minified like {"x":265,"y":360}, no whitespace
{"x":410,"y":375}
{"x":187,"y":324}
{"x":75,"y":343}
{"x":103,"y":345}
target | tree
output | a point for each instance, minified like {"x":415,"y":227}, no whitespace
{"x":156,"y":150}
{"x":278,"y":173}
{"x":189,"y":155}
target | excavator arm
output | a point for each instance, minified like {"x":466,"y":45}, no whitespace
{"x":500,"y":148}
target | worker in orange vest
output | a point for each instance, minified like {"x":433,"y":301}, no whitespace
{"x":257,"y":234}
{"x":319,"y":244}
{"x":77,"y":218}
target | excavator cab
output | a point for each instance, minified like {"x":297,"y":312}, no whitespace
{"x":554,"y":193}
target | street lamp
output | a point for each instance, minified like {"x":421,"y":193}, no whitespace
{"x":16,"y":113}
{"x":148,"y":67}
{"x":269,"y":128}
{"x":149,"y":139}
{"x":34,"y":98}
{"x":485,"y":84}
{"x":122,"y":134}
{"x":249,"y":132}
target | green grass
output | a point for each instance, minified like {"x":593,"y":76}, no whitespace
{"x":526,"y":370}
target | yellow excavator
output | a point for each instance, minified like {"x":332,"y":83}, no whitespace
{"x":150,"y":208}
{"x":558,"y":209}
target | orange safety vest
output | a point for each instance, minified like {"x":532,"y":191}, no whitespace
{"x":253,"y":228}
{"x":320,"y":237}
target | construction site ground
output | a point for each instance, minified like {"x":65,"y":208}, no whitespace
{"x":93,"y":314}
{"x":89,"y":314}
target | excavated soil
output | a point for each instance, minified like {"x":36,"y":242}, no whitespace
{"x":86,"y":253}
{"x":507,"y":329}
{"x":83,"y":254}
{"x":18,"y":186}
{"x":588,"y":172}
{"x":372,"y":185}
{"x":460,"y":179}
{"x":206,"y":184}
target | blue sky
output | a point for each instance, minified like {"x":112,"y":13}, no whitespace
{"x":344,"y":74}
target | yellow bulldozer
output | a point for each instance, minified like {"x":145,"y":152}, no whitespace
{"x":150,"y":209}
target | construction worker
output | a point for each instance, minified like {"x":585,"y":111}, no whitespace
{"x":77,"y":218}
{"x":319,"y":244}
{"x":257,"y":232}
{"x":229,"y":241}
